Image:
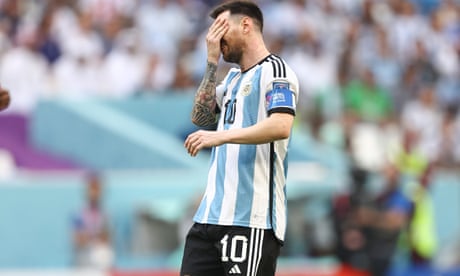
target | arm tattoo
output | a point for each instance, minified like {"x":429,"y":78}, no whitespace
{"x":204,"y":107}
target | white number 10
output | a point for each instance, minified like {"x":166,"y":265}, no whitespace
{"x":233,"y":246}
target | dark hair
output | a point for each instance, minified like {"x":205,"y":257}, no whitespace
{"x":247,"y":8}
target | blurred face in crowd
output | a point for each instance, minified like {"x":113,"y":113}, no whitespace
{"x":391,"y":173}
{"x":94,"y":192}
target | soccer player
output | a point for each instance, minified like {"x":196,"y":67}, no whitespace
{"x":4,"y":99}
{"x":240,"y":224}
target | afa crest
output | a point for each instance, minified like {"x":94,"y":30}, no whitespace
{"x":246,"y":90}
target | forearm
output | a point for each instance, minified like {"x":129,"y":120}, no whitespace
{"x":204,"y":106}
{"x":276,"y":127}
{"x":385,"y":220}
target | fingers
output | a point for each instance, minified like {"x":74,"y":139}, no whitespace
{"x":218,"y":28}
{"x":215,"y":33}
{"x":193,"y":144}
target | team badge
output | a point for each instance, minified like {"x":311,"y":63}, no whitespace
{"x":246,"y":90}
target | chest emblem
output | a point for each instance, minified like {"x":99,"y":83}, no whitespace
{"x":246,"y":90}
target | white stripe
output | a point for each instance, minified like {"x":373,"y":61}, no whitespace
{"x":260,"y":197}
{"x":251,"y":243}
{"x":259,"y":251}
{"x":279,"y":196}
{"x":255,"y":254}
{"x":230,"y":185}
{"x":210,"y":187}
{"x":260,"y":200}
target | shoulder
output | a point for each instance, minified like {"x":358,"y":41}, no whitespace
{"x":276,"y":68}
{"x":231,"y":74}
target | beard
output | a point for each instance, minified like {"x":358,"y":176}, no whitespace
{"x":231,"y":54}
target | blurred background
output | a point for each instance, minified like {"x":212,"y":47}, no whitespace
{"x":94,"y":179}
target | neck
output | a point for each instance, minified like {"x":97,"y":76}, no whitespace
{"x":255,"y":52}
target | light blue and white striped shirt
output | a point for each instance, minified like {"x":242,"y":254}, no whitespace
{"x":247,"y":183}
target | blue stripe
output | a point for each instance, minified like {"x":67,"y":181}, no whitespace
{"x":216,"y":205}
{"x":199,"y":216}
{"x":230,"y":78}
{"x":247,"y":154}
{"x":245,"y":191}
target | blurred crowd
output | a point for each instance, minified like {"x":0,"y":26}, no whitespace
{"x":377,"y":77}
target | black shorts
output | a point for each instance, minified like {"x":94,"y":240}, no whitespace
{"x":229,"y":251}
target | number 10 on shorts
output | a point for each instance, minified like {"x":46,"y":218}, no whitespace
{"x":237,"y":246}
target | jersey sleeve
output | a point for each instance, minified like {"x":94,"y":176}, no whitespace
{"x":281,"y":90}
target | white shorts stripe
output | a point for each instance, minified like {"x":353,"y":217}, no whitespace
{"x":251,"y":246}
{"x":255,"y":251}
{"x":259,"y":257}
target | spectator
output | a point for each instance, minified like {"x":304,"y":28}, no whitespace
{"x":125,"y":67}
{"x":91,"y":233}
{"x":450,"y":136}
{"x":384,"y":64}
{"x":350,"y":239}
{"x":421,"y":230}
{"x":48,"y":44}
{"x":319,"y":90}
{"x":366,"y":100}
{"x":405,"y":29}
{"x":369,"y":226}
{"x":423,"y":115}
{"x":24,"y":71}
{"x":81,"y":39}
{"x":76,"y":77}
{"x":407,"y":157}
{"x":162,"y":38}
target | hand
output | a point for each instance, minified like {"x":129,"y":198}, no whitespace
{"x":4,"y":99}
{"x":215,"y":33}
{"x":202,"y":139}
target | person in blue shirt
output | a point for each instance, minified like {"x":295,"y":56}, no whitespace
{"x":383,"y":220}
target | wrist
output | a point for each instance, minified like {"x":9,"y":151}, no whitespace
{"x":213,"y":60}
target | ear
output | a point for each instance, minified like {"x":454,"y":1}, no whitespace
{"x":246,"y":24}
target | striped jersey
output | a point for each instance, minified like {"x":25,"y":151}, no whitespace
{"x":246,"y":183}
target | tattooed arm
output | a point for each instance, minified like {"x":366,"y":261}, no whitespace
{"x":204,"y":107}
